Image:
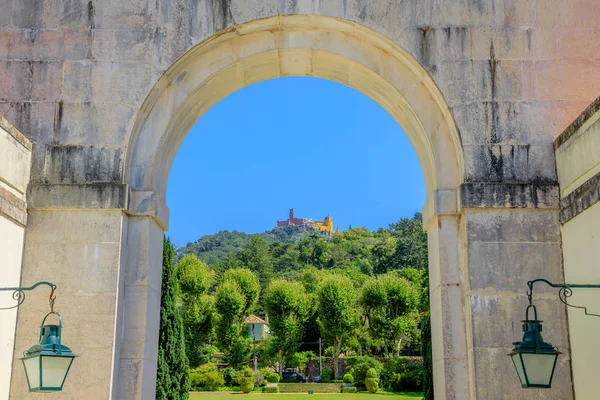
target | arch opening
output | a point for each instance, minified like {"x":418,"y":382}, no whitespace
{"x":296,"y":45}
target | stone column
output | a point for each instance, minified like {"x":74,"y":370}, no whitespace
{"x":448,"y":318}
{"x":139,"y":310}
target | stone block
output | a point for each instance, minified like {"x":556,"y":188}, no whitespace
{"x":49,"y":44}
{"x":497,"y":379}
{"x":34,"y":119}
{"x":448,"y":330}
{"x":130,"y":15}
{"x":464,"y":13}
{"x":105,"y":123}
{"x":456,"y":386}
{"x":525,"y":43}
{"x":295,"y":62}
{"x":579,"y":80}
{"x":78,"y":196}
{"x":82,"y":164}
{"x":66,"y":226}
{"x":578,"y":43}
{"x":513,"y":226}
{"x":125,"y":45}
{"x":465,"y":82}
{"x":144,"y":253}
{"x":31,"y":80}
{"x":514,"y":13}
{"x":443,"y":248}
{"x":575,"y":13}
{"x":508,"y":266}
{"x":248,"y":10}
{"x":125,"y":82}
{"x":52,"y":14}
{"x":77,"y":82}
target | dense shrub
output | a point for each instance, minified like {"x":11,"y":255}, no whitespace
{"x":360,"y":367}
{"x":230,"y":376}
{"x":411,"y":379}
{"x":271,"y":389}
{"x":349,"y":389}
{"x":206,"y":377}
{"x":259,"y":379}
{"x":327,"y":374}
{"x":273,"y":377}
{"x":348,"y":378}
{"x":372,"y":381}
{"x":397,"y":364}
{"x":246,"y":379}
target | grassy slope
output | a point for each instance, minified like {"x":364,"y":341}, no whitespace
{"x":287,"y":396}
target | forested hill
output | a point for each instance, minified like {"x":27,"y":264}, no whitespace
{"x":401,"y":244}
{"x":213,"y":248}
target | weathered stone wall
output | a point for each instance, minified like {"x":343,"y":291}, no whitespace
{"x":15,"y":162}
{"x":578,"y":165}
{"x":74,"y":77}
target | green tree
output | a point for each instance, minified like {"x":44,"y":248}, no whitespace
{"x":337,"y":312}
{"x":231,"y":332}
{"x":256,"y":256}
{"x":390,"y":303}
{"x":197,"y":307}
{"x":173,"y":378}
{"x":288,"y":307}
{"x":248,"y":285}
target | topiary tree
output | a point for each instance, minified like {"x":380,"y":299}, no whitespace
{"x":273,"y":377}
{"x":246,"y":379}
{"x":173,"y":377}
{"x":372,"y":381}
{"x":348,"y":378}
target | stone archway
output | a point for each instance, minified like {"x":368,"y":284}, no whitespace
{"x":96,"y":201}
{"x":326,"y":48}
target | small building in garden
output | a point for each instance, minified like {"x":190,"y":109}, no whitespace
{"x":258,"y":328}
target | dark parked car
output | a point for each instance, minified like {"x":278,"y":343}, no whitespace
{"x":293,"y":376}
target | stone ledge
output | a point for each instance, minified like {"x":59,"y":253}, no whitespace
{"x":578,"y":123}
{"x":13,"y":207}
{"x":79,"y":196}
{"x":509,"y":195}
{"x":12,"y":131}
{"x":580,"y":199}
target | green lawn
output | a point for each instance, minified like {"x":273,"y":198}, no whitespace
{"x":288,"y":396}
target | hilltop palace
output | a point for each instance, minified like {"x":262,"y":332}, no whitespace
{"x":325,"y":226}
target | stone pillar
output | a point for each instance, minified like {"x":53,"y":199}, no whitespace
{"x":79,"y":251}
{"x":504,"y":248}
{"x":139,"y":311}
{"x":448,"y":318}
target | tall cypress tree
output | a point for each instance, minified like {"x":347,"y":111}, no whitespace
{"x":427,"y":357}
{"x":173,"y":378}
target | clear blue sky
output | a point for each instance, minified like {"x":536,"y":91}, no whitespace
{"x":307,"y":143}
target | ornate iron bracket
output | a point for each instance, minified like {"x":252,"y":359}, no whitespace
{"x":565,"y":290}
{"x":19,"y":294}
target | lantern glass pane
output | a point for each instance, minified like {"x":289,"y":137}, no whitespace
{"x":516,"y":358}
{"x":32,"y":369}
{"x":539,"y":367}
{"x":54,"y":370}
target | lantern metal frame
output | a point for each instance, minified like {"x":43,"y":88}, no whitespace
{"x":50,"y":344}
{"x":48,"y":348}
{"x":533,"y":342}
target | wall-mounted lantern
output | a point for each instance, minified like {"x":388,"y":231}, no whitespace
{"x":534,"y":359}
{"x":46,"y":364}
